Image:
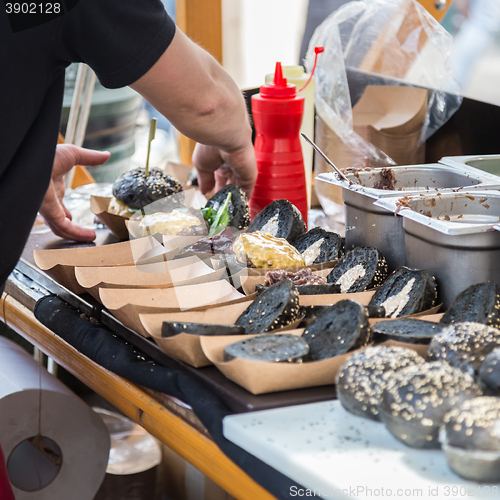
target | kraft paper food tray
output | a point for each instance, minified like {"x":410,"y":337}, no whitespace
{"x":427,"y":315}
{"x":254,"y":271}
{"x":260,"y":377}
{"x":227,"y":314}
{"x":187,"y":347}
{"x":250,"y":282}
{"x":60,"y":263}
{"x":115,"y":223}
{"x":395,"y":110}
{"x":127,"y":303}
{"x":152,"y":275}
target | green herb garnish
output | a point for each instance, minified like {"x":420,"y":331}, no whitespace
{"x":218,"y":219}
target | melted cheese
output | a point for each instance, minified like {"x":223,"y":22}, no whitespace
{"x":349,"y":277}
{"x":118,"y":208}
{"x":265,"y":250}
{"x":271,"y":226}
{"x":394,"y":305}
{"x":168,"y":223}
{"x":311,"y":254}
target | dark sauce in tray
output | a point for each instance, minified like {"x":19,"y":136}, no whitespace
{"x":387,"y":181}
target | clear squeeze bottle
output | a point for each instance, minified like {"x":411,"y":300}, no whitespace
{"x":277,"y":113}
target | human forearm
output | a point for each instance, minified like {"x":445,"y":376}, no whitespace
{"x":198,"y":97}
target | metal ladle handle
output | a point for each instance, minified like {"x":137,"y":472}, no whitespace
{"x":339,"y":173}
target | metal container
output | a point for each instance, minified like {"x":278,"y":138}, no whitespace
{"x":487,"y":163}
{"x":370,"y":225}
{"x":454,"y":235}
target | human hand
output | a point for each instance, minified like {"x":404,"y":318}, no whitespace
{"x":56,"y":215}
{"x":217,"y":168}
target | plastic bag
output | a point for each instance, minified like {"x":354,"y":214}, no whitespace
{"x":381,"y":42}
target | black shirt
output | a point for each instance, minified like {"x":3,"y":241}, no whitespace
{"x":119,"y":39}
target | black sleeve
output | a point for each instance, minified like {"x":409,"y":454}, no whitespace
{"x":119,"y":39}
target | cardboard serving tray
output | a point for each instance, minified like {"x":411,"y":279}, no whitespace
{"x":395,"y":110}
{"x":216,"y":315}
{"x":127,"y":303}
{"x":256,"y":271}
{"x":332,"y":298}
{"x":249,"y":283}
{"x":115,"y":223}
{"x":187,"y":347}
{"x":427,"y":315}
{"x":260,"y":377}
{"x":60,"y":264}
{"x":151,"y":275}
{"x":234,"y":396}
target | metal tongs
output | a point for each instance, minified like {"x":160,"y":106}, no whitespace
{"x":330,"y":162}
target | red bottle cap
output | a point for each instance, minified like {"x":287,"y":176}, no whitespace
{"x":279,"y":88}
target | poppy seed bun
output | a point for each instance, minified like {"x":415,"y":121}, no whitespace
{"x":417,"y":398}
{"x":238,"y":209}
{"x":318,"y":245}
{"x":489,"y":373}
{"x":337,"y":330}
{"x":411,"y":330}
{"x":406,"y":291}
{"x":136,"y":190}
{"x":276,"y":307}
{"x":362,"y":378}
{"x":272,"y":348}
{"x":477,"y":304}
{"x":464,"y":345}
{"x":471,"y":439}
{"x":280,"y":219}
{"x":360,"y":269}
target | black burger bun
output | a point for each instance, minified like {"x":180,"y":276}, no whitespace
{"x":137,"y":190}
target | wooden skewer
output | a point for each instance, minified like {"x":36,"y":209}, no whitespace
{"x":152,"y":133}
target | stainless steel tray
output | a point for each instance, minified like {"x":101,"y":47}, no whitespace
{"x":450,"y":213}
{"x":458,"y":252}
{"x":486,"y":163}
{"x":372,"y":225}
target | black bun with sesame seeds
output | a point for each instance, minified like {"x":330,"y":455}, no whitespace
{"x":276,"y":348}
{"x":318,"y":245}
{"x":362,"y":378}
{"x":281,"y":219}
{"x":337,"y":330}
{"x":471,"y":441}
{"x":238,"y":208}
{"x":406,"y":291}
{"x":274,"y":308}
{"x":360,"y":269}
{"x":416,"y":399}
{"x":173,"y":328}
{"x":489,"y":373}
{"x":137,"y":190}
{"x":410,"y":330}
{"x":477,"y":304}
{"x":464,"y":345}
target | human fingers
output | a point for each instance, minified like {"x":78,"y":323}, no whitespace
{"x":68,"y":155}
{"x":67,"y":230}
{"x":207,"y":160}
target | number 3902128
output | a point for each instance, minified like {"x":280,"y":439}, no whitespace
{"x":33,"y":8}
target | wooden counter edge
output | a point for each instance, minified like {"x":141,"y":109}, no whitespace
{"x":170,"y":429}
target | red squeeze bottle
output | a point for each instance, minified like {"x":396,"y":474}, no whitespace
{"x":277,"y":114}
